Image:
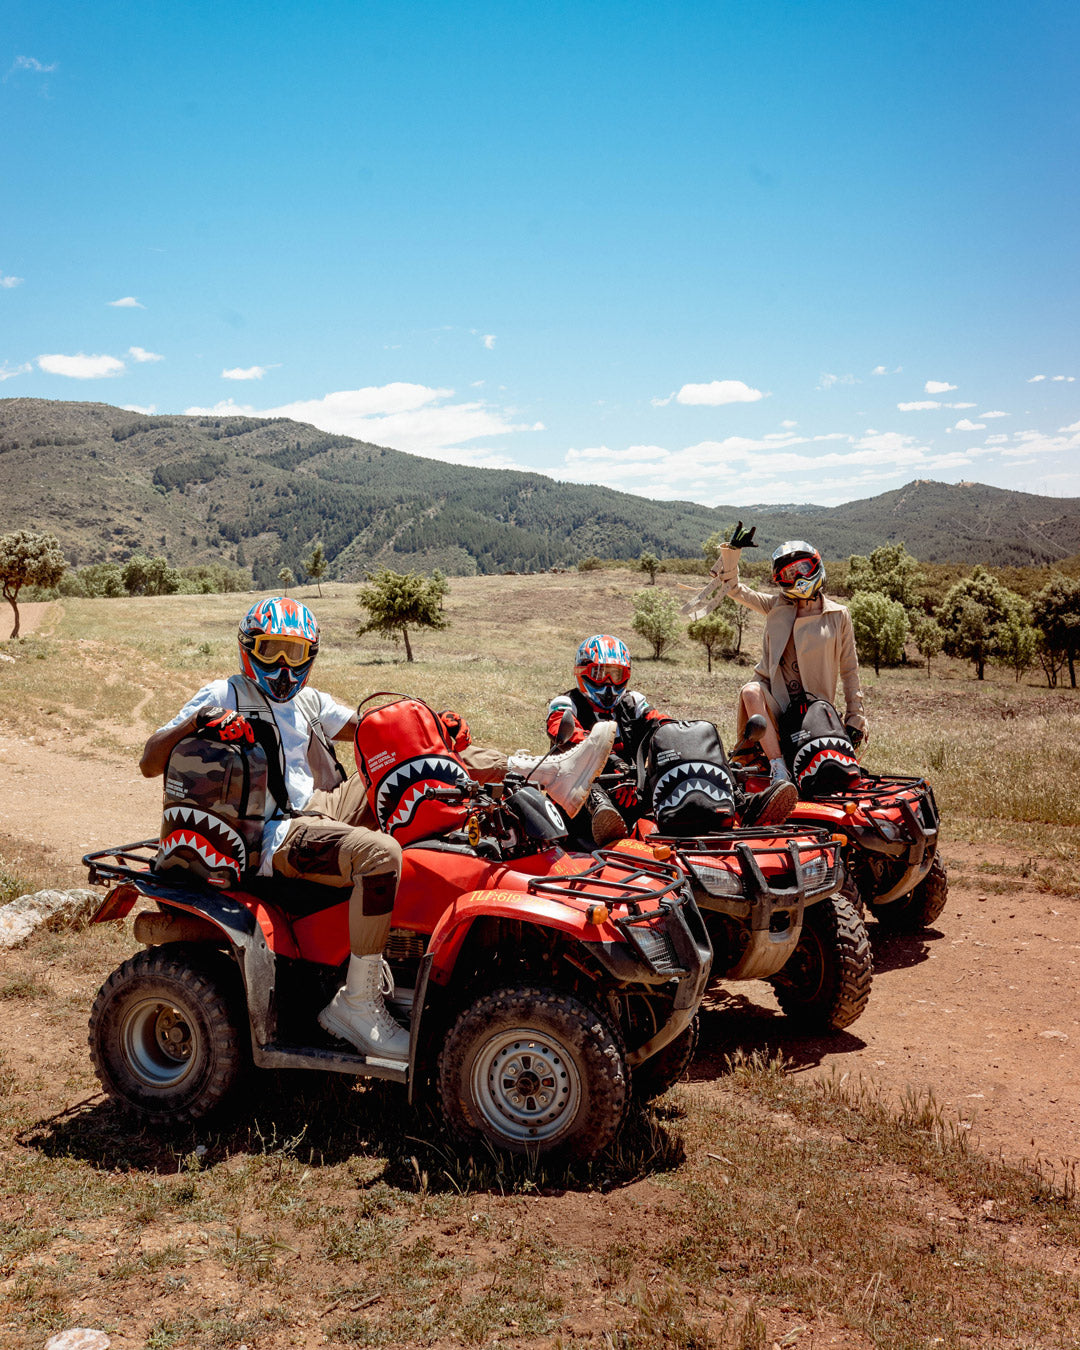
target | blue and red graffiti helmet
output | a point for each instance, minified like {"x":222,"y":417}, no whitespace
{"x":602,"y":668}
{"x":279,"y":640}
{"x":798,"y":570}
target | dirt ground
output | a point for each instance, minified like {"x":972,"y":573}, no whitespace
{"x":983,"y":1010}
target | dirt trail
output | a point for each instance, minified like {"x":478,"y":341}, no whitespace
{"x":984,"y":1010}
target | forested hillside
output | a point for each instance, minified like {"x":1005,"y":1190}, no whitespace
{"x":260,"y":491}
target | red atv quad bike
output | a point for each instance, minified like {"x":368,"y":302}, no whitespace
{"x":772,"y":901}
{"x":889,"y":824}
{"x":538,"y":987}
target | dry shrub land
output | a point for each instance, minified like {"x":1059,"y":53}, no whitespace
{"x":752,"y":1206}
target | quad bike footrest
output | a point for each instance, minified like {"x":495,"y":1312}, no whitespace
{"x":330,"y":1061}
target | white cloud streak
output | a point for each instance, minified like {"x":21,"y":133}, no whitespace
{"x":938,"y":387}
{"x":489,"y":341}
{"x":9,"y":372}
{"x":81,"y":367}
{"x":244,"y":373}
{"x":8,"y":283}
{"x":411,"y":417}
{"x":1036,"y":378}
{"x":125,"y":302}
{"x":32,"y":64}
{"x":716,"y":393}
{"x":830,"y":381}
{"x":923,"y":406}
{"x":142,"y":355}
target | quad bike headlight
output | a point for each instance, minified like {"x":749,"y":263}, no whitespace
{"x":718,"y":880}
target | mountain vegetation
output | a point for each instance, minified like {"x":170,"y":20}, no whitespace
{"x":260,"y":493}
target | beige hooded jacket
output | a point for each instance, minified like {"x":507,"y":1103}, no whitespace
{"x":824,"y":642}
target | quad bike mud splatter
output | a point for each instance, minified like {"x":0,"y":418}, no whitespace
{"x":539,"y":987}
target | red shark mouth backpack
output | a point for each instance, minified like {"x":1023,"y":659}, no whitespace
{"x":817,"y":748}
{"x":402,"y":749}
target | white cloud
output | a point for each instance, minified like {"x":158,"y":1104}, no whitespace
{"x":1073,"y":426}
{"x":919,"y":407}
{"x":8,"y":283}
{"x":789,"y":425}
{"x":966,"y":424}
{"x":9,"y":372}
{"x":489,"y":341}
{"x":958,"y":405}
{"x":829,"y":381}
{"x":245,"y":373}
{"x":1030,"y":443}
{"x":141,"y":354}
{"x":80,"y":367}
{"x":411,"y":417}
{"x":1036,"y":378}
{"x":717,"y":393}
{"x":31,"y":63}
{"x":662,"y":402}
{"x":126,"y":302}
{"x":937,"y":387}
{"x":999,"y":439}
{"x":995,"y":413}
{"x":878,"y":370}
{"x":137,"y":407}
{"x":1068,"y":379}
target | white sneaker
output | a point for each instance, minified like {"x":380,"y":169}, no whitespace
{"x":566,"y":778}
{"x":358,"y":1014}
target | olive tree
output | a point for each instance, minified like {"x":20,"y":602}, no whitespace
{"x":1056,"y":611}
{"x":398,"y":601}
{"x":713,"y":632}
{"x":881,"y":628}
{"x":656,"y":619}
{"x":28,"y":559}
{"x":972,"y":616}
{"x":929,"y":639}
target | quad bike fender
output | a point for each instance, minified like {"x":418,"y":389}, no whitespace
{"x":449,"y":934}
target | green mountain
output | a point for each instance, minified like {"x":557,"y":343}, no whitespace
{"x":260,"y":491}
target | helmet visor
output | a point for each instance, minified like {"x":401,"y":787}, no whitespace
{"x":609,"y":673}
{"x":272,"y":651}
{"x":792,"y":571}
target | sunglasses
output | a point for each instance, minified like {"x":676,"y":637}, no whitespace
{"x":272,"y":650}
{"x":801,"y":567}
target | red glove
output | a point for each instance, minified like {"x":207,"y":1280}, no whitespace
{"x":219,"y":724}
{"x":457,"y":729}
{"x":626,"y":795}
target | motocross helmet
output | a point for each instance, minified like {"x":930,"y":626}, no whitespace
{"x":798,"y":570}
{"x":602,"y":668}
{"x":279,"y":640}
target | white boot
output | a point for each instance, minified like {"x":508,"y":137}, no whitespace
{"x":358,"y":1014}
{"x":566,"y":778}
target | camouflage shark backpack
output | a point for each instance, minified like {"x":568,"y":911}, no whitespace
{"x":685,"y":778}
{"x":214,"y":809}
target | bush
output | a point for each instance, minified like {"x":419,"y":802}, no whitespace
{"x":656,"y":618}
{"x":881,"y":627}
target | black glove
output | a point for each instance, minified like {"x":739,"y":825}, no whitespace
{"x":855,"y":736}
{"x":220,"y":724}
{"x":741,"y":538}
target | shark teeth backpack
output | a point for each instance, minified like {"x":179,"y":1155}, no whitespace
{"x":817,"y":748}
{"x":687,"y":783}
{"x":213,"y":810}
{"x":402,"y":749}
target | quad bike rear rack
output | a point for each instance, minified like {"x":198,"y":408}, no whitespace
{"x":769,"y":913}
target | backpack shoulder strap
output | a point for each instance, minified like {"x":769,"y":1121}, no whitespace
{"x":252,"y":704}
{"x":307,"y":700}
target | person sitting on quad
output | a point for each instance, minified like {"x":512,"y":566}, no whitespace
{"x":602,"y":672}
{"x":808,"y":644}
{"x":319,"y":825}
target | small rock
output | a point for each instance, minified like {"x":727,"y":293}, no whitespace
{"x":49,"y":909}
{"x":1053,"y":1035}
{"x":78,"y":1338}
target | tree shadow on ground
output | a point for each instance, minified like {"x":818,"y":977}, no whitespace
{"x":900,"y":951}
{"x":325,"y":1120}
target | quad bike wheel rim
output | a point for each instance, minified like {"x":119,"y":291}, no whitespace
{"x":526,"y":1086}
{"x":157,"y":1042}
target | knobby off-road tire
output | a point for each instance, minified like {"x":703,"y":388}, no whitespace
{"x":920,"y":907}
{"x":825,"y":983}
{"x":667,"y":1066}
{"x":163,"y":1035}
{"x":534,"y":1071}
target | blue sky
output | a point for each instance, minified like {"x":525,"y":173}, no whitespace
{"x":733,"y":253}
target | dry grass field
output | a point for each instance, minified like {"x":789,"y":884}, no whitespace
{"x":909,"y":1185}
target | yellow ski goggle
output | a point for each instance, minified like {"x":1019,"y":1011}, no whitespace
{"x":272,"y":650}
